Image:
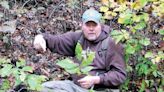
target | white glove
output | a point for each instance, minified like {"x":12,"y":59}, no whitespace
{"x":39,"y":42}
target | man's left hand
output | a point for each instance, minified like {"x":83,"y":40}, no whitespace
{"x":89,"y":81}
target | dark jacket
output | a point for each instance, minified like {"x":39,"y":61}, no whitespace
{"x":111,"y":69}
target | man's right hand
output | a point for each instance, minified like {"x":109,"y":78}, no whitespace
{"x":39,"y":43}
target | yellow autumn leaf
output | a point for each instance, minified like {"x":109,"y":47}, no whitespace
{"x":121,"y":20}
{"x":105,"y":2}
{"x":156,"y":60}
{"x":114,"y":14}
{"x":104,"y":9}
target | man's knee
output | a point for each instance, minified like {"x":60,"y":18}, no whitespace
{"x":56,"y":86}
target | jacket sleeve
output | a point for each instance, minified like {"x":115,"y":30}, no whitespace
{"x":63,"y":44}
{"x":116,"y":74}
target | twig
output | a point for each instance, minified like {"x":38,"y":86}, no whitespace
{"x":55,"y":7}
{"x":21,"y":89}
{"x":15,"y":2}
{"x":25,"y":4}
{"x":35,"y":3}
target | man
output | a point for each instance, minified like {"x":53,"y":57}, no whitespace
{"x":109,"y":68}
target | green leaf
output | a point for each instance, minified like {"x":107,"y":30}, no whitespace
{"x":118,"y":35}
{"x":91,"y":56}
{"x":129,"y":68}
{"x":21,"y":62}
{"x":41,"y":78}
{"x":17,"y":80}
{"x":104,"y":9}
{"x":6,"y":70}
{"x":89,"y":59}
{"x":4,"y":61}
{"x":160,"y":90}
{"x":145,"y":41}
{"x":115,"y":33}
{"x":155,"y":73}
{"x":138,"y":4}
{"x":142,"y":69}
{"x":136,"y":18}
{"x":5,"y":4}
{"x":143,"y":86}
{"x":5,"y":85}
{"x":27,"y":68}
{"x":125,"y":34}
{"x":149,"y":55}
{"x":145,"y":17}
{"x":32,"y":83}
{"x":22,"y":76}
{"x":125,"y":18}
{"x":15,"y":71}
{"x":67,"y":64}
{"x":140,"y":26}
{"x":143,"y":2}
{"x":130,"y":49}
{"x":73,"y":71}
{"x":161,"y":31}
{"x":85,"y":70}
{"x":78,"y":51}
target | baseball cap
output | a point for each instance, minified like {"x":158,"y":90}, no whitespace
{"x":91,"y":15}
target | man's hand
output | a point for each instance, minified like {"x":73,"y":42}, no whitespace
{"x":39,"y":43}
{"x":89,"y":81}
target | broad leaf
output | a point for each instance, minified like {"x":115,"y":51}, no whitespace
{"x":142,"y":86}
{"x":145,"y":41}
{"x":27,"y":69}
{"x":67,"y":64}
{"x":138,"y":4}
{"x":104,"y":9}
{"x":5,"y":85}
{"x":4,"y":61}
{"x":120,"y":8}
{"x":89,"y":59}
{"x":125,"y":34}
{"x":117,"y":35}
{"x":149,"y":55}
{"x":125,"y":18}
{"x":21,"y":62}
{"x":22,"y":76}
{"x":17,"y":80}
{"x":130,"y":49}
{"x":85,"y":70}
{"x":78,"y":51}
{"x":6,"y":70}
{"x":140,"y":26}
{"x":161,"y":31}
{"x":73,"y":71}
{"x":32,"y":83}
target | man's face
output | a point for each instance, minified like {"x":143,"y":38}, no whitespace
{"x":91,"y":30}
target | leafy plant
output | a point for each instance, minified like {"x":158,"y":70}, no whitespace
{"x":134,"y":18}
{"x":21,"y":74}
{"x":85,"y":58}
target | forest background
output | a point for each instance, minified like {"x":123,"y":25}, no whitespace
{"x":138,"y":24}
